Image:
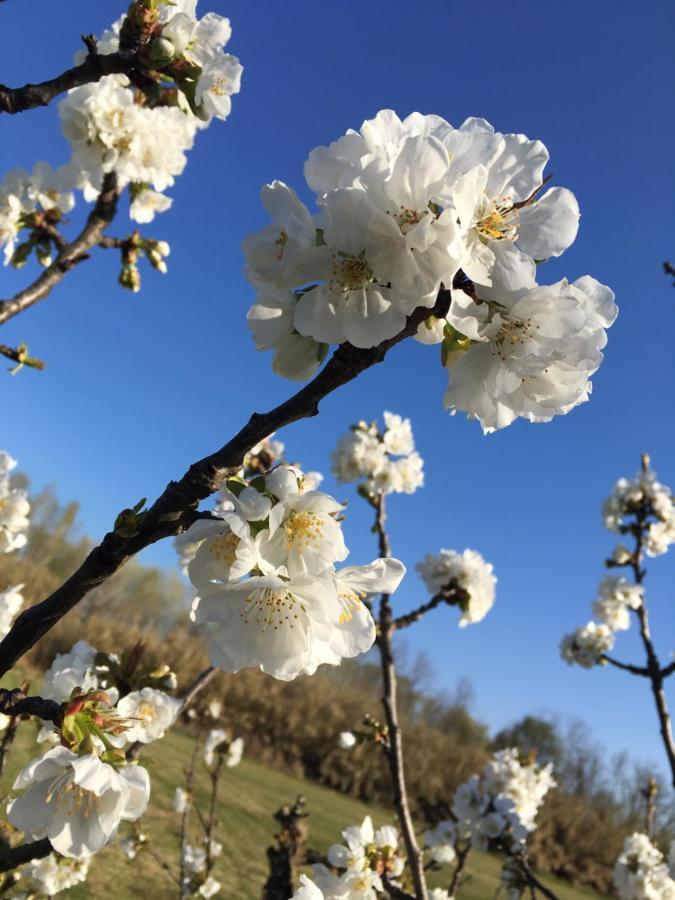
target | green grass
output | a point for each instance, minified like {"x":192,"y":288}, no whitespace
{"x":249,"y":795}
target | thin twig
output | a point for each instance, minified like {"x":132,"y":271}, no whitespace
{"x":174,"y":510}
{"x":445,"y":596}
{"x":394,"y":748}
{"x":394,"y":891}
{"x":184,"y":884}
{"x":627,"y":667}
{"x":20,"y":356}
{"x":532,"y":881}
{"x":211,"y":822}
{"x":654,"y":667}
{"x":73,"y":253}
{"x":462,"y":857}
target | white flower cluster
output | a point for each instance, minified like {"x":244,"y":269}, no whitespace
{"x":616,"y":597}
{"x":14,"y":509}
{"x":359,"y":863}
{"x":442,"y":840}
{"x":217,"y":742}
{"x":502,"y":804}
{"x":77,"y":801}
{"x":266,"y":579}
{"x":53,"y":874}
{"x":22,"y":195}
{"x":466,"y":571}
{"x":385,"y":461}
{"x":11,"y":602}
{"x":404,"y":207}
{"x":146,"y":144}
{"x":645,"y":496}
{"x":641,"y":873}
{"x":586,"y":645}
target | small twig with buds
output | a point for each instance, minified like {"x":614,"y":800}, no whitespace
{"x":531,"y":880}
{"x":289,"y":852}
{"x":20,"y":356}
{"x":448,"y":595}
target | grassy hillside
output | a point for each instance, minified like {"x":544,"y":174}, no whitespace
{"x":249,"y":795}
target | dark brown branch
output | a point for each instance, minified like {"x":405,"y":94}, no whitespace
{"x":16,"y":703}
{"x":94,"y":67}
{"x":394,"y":747}
{"x":445,"y":596}
{"x":73,"y":253}
{"x":289,"y":852}
{"x":627,"y":667}
{"x":394,"y":891}
{"x":175,"y":509}
{"x":669,"y":269}
{"x":11,"y":857}
{"x":532,"y":881}
{"x":654,"y":669}
{"x":462,"y":857}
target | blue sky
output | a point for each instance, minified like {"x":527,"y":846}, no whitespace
{"x":139,"y":386}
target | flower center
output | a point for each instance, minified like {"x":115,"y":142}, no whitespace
{"x":406,"y":217}
{"x":350,"y":273}
{"x":147,"y":712}
{"x":350,"y":599}
{"x":219,"y":87}
{"x":224,"y":547}
{"x":271,"y":608}
{"x":498,"y":223}
{"x":303,"y":529}
{"x":281,"y":242}
{"x":70,"y":797}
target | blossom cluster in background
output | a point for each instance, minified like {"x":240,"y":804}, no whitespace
{"x":641,"y":872}
{"x":14,"y":508}
{"x":643,"y":508}
{"x":468,"y":574}
{"x":112,"y":126}
{"x":382,"y":461}
{"x":264,"y":571}
{"x":405,"y":207}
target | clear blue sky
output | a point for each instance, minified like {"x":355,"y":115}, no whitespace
{"x":138,"y":386}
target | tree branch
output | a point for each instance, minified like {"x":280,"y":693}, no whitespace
{"x":99,"y":218}
{"x":94,"y":67}
{"x":627,"y":667}
{"x":394,"y":748}
{"x":446,"y":596}
{"x":174,"y":510}
{"x":11,"y":857}
{"x":533,"y":881}
{"x":668,"y":670}
{"x":16,"y":703}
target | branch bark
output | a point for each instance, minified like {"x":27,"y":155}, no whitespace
{"x":94,"y":67}
{"x":654,"y":669}
{"x":627,"y":667}
{"x":16,"y":703}
{"x":175,"y":509}
{"x":446,"y":596}
{"x":11,"y":857}
{"x":73,"y":253}
{"x":394,"y":747}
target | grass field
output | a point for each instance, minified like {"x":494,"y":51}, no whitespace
{"x":249,"y":795}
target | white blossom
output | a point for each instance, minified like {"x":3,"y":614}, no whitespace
{"x":146,"y":204}
{"x":644,"y":494}
{"x":527,"y":353}
{"x":54,"y":874}
{"x":385,"y":461}
{"x":194,"y":858}
{"x":587,"y":645}
{"x":209,"y":888}
{"x":466,"y":571}
{"x":149,"y":713}
{"x":11,"y":601}
{"x":71,"y":670}
{"x":181,"y":798}
{"x":308,"y":890}
{"x":616,"y":597}
{"x":77,"y":801}
{"x":346,"y":740}
{"x":641,"y":873}
{"x":441,"y":841}
{"x":14,"y":508}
